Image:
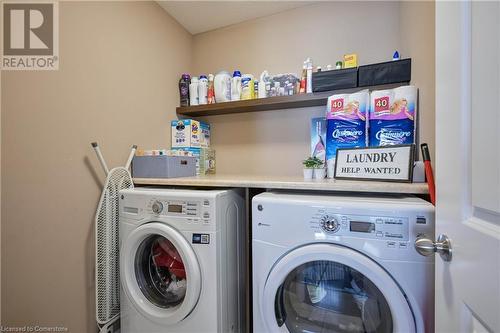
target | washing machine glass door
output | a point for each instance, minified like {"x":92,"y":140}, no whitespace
{"x":330,"y":288}
{"x":160,"y":273}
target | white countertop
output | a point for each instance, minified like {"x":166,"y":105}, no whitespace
{"x":287,"y":182}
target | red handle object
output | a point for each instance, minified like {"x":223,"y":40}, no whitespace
{"x":428,"y":172}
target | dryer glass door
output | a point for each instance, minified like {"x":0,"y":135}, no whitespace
{"x":160,"y":273}
{"x":326,"y":296}
{"x":331,"y":288}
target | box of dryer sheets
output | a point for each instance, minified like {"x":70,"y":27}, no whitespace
{"x":205,"y":159}
{"x":392,"y":116}
{"x":318,"y":138}
{"x":346,"y":126}
{"x":205,"y":134}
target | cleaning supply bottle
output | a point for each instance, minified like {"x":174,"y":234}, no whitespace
{"x":264,"y":79}
{"x":210,"y":90}
{"x":202,"y":90}
{"x":193,"y":91}
{"x":247,"y":86}
{"x":236,"y":86}
{"x":396,"y":56}
{"x":309,"y":68}
{"x":222,"y":87}
{"x":303,"y":79}
{"x":184,"y":89}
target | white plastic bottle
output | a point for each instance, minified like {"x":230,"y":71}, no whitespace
{"x":264,"y":78}
{"x":236,"y":86}
{"x":193,"y":91}
{"x":309,"y":70}
{"x":247,"y":87}
{"x":203,"y":90}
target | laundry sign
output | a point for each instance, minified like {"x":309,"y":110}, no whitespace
{"x":389,"y":163}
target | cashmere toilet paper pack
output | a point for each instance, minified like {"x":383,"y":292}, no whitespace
{"x":346,"y":122}
{"x":392,"y":116}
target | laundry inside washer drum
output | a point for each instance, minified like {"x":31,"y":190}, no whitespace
{"x":325,"y":296}
{"x":160,"y":272}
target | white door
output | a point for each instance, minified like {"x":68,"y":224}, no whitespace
{"x":468,"y":165}
{"x":160,"y":273}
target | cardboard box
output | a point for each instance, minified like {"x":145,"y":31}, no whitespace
{"x":318,"y":138}
{"x":205,"y":159}
{"x":186,"y":133}
{"x":205,"y":134}
{"x":350,"y":60}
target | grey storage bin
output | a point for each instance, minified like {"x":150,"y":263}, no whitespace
{"x":163,"y":166}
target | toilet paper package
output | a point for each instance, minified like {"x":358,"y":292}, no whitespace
{"x":392,"y":116}
{"x":346,"y":122}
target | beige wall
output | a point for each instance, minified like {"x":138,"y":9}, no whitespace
{"x":117,"y":84}
{"x":275,"y":142}
{"x":417,"y":40}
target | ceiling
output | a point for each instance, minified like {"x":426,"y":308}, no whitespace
{"x":201,"y":16}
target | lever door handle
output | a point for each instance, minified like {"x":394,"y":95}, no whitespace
{"x":426,"y":247}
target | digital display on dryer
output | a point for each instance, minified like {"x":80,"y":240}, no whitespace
{"x":175,"y":208}
{"x":358,"y":226}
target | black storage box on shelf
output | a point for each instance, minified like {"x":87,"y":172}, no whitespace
{"x":335,"y":79}
{"x":163,"y":166}
{"x":397,"y":71}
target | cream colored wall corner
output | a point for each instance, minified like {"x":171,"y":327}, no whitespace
{"x":417,"y":39}
{"x":275,"y":142}
{"x":117,"y":84}
{"x":1,"y":50}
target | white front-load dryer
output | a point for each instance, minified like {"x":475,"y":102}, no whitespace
{"x":181,"y":255}
{"x":331,"y":263}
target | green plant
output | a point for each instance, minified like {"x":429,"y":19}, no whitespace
{"x":312,"y":162}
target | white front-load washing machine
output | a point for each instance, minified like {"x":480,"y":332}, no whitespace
{"x":181,"y":255}
{"x":331,"y":263}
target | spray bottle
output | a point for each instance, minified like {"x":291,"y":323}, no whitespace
{"x":211,"y":91}
{"x":303,"y":79}
{"x":309,"y":70}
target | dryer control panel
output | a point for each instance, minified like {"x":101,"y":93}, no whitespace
{"x":363,"y":226}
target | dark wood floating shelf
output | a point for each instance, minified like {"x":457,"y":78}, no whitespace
{"x":267,"y":104}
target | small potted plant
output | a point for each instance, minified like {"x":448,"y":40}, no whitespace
{"x":309,"y":165}
{"x":319,"y":169}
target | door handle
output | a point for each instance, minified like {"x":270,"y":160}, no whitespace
{"x":426,"y":247}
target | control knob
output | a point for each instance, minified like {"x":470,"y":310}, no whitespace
{"x":157,"y":207}
{"x":329,"y":224}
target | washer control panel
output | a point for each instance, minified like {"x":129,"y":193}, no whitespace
{"x":362,"y":226}
{"x":180,"y":208}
